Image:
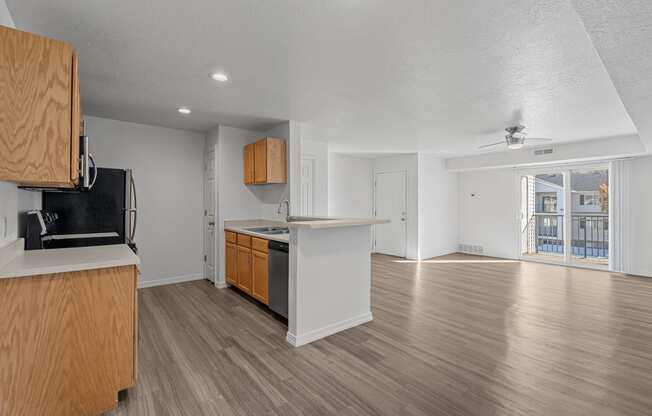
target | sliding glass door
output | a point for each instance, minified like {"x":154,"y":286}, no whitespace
{"x":542,"y":215}
{"x":565,"y":215}
{"x":590,"y":216}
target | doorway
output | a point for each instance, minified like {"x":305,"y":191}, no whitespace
{"x":390,"y":198}
{"x":209,"y":216}
{"x":565,"y":216}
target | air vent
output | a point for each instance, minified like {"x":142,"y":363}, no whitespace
{"x":541,"y":152}
{"x":471,"y":249}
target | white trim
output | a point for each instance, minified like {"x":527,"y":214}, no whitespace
{"x":222,"y":285}
{"x":573,"y":265}
{"x":308,"y":337}
{"x":169,"y":280}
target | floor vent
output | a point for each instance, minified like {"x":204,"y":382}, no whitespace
{"x":471,"y":249}
{"x":541,"y":152}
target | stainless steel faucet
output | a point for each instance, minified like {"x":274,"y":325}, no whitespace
{"x":279,"y":211}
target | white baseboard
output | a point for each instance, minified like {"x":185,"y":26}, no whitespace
{"x":169,"y":280}
{"x":308,"y":337}
{"x":221,"y":285}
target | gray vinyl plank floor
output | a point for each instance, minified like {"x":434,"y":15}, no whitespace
{"x":455,"y":335}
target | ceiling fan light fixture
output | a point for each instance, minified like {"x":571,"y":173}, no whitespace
{"x":219,"y":76}
{"x":514,"y":146}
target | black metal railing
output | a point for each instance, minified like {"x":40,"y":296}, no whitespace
{"x":590,"y":236}
{"x":549,"y":230}
{"x":544,"y":233}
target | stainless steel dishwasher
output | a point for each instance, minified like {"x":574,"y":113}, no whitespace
{"x":278,"y":277}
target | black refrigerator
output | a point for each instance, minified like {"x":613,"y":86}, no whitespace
{"x":105,"y":214}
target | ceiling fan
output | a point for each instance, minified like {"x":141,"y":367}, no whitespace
{"x":515,"y":138}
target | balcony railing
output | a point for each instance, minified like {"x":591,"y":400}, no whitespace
{"x":544,"y":234}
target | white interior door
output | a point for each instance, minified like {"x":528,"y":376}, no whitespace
{"x":307,"y":187}
{"x":391,"y":204}
{"x":209,"y":217}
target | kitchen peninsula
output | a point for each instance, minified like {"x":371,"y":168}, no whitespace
{"x":329,"y":287}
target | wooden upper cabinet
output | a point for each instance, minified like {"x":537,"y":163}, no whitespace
{"x":75,"y":123}
{"x":249,"y":164}
{"x":39,"y":110}
{"x":270,"y":161}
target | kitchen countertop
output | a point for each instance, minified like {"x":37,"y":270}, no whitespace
{"x":326,"y":222}
{"x":61,"y":260}
{"x":240,"y":225}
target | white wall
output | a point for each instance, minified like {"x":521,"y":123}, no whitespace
{"x":5,"y":16}
{"x":439,"y":208}
{"x":318,"y":151}
{"x":350,"y":186}
{"x":408,"y":163}
{"x":641,"y":221}
{"x":488,"y":206}
{"x":8,"y":192}
{"x":168,"y":170}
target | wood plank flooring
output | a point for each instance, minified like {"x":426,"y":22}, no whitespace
{"x":456,"y":335}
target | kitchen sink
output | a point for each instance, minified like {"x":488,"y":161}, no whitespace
{"x":269,"y":230}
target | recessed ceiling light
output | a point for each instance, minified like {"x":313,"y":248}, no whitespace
{"x":219,"y":76}
{"x":184,"y":110}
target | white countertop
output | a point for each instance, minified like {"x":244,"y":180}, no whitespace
{"x":61,"y":260}
{"x":325,"y":222}
{"x":240,"y":226}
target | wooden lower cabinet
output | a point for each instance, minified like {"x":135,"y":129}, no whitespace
{"x":69,"y":341}
{"x":230,"y":266}
{"x":244,"y":269}
{"x":260,"y":281}
{"x":247,"y":262}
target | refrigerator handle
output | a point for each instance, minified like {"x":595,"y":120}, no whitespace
{"x":90,"y":186}
{"x":134,"y":210}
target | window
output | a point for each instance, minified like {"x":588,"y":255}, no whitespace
{"x":588,"y":200}
{"x":549,"y":204}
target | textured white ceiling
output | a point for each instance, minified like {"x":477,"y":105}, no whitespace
{"x":365,"y":75}
{"x":621,"y":31}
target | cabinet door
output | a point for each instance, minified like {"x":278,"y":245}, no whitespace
{"x":260,"y":281}
{"x":260,"y":161}
{"x":249,"y":163}
{"x":36,"y":77}
{"x":76,"y":122}
{"x":276,"y":161}
{"x":231,"y":263}
{"x":244,"y":269}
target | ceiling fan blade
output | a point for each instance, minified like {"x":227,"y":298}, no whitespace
{"x":490,"y":145}
{"x":537,"y":139}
